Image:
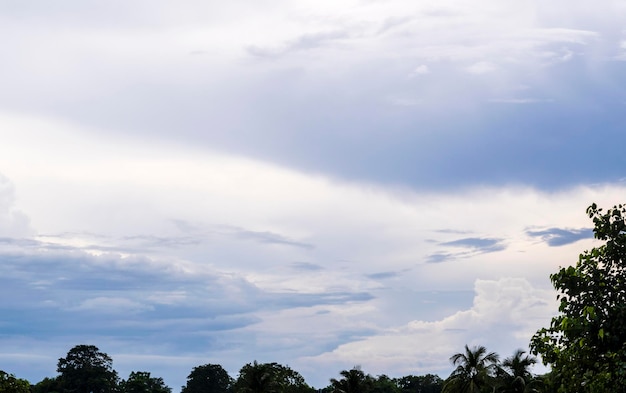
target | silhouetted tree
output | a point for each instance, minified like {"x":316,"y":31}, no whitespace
{"x":47,"y":385}
{"x":208,"y":378}
{"x":352,"y":381}
{"x":428,"y":383}
{"x":515,"y":374}
{"x":142,"y":382}
{"x":87,"y":370}
{"x":270,"y":378}
{"x":474,"y":372}
{"x":384,"y":384}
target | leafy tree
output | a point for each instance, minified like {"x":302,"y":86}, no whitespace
{"x":208,"y":378}
{"x":585,"y":344}
{"x":256,"y":378}
{"x":475,"y":371}
{"x":48,"y":385}
{"x":428,"y":383}
{"x":270,"y":378}
{"x":142,"y":382}
{"x":515,"y":374}
{"x":384,"y":384}
{"x":10,"y":384}
{"x":352,"y":381}
{"x":87,"y":370}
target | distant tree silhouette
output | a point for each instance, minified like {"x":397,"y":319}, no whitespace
{"x":87,"y":370}
{"x":208,"y":378}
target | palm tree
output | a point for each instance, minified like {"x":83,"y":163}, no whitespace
{"x":353,"y":381}
{"x":257,"y":378}
{"x":474,"y":372}
{"x":516,"y":375}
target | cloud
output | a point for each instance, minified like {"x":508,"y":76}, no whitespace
{"x":306,"y":266}
{"x":555,"y":237}
{"x":520,"y":100}
{"x":473,"y":245}
{"x":483,"y":244}
{"x":383,"y":275}
{"x":305,"y":42}
{"x":110,"y":305}
{"x":331,"y":71}
{"x":419,"y":70}
{"x":268,"y":238}
{"x":482,"y":67}
{"x":13,"y":223}
{"x":507,"y":310}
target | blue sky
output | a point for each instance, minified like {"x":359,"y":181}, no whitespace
{"x":318,"y":183}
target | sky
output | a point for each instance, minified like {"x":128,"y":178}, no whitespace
{"x":321,"y":184}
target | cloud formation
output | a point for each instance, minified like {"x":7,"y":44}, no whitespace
{"x":508,"y":309}
{"x":558,"y":237}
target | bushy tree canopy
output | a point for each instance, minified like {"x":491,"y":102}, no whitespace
{"x":208,"y":378}
{"x":142,"y":382}
{"x":585,"y":343}
{"x":10,"y":384}
{"x":428,"y":383}
{"x":87,"y":370}
{"x":270,"y":378}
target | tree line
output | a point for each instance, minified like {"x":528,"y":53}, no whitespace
{"x":585,"y":347}
{"x":86,"y":369}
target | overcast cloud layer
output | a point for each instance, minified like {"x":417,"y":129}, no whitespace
{"x":318,"y":183}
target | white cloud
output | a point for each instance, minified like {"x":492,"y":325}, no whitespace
{"x":505,"y":314}
{"x":13,"y":222}
{"x":224,"y":232}
{"x":482,"y":67}
{"x":419,"y":70}
{"x":111,"y":305}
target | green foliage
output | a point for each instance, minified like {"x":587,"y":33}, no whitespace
{"x":428,"y":383}
{"x":384,"y":384}
{"x":87,"y":370}
{"x":48,"y":385}
{"x":352,"y":381}
{"x":10,"y":384}
{"x":270,"y":378}
{"x":142,"y":382}
{"x":514,"y":374}
{"x":586,"y":343}
{"x":208,"y":378}
{"x":475,"y":371}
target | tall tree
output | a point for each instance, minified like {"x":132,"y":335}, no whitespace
{"x":585,"y":344}
{"x":87,"y":370}
{"x":10,"y":384}
{"x":208,"y":378}
{"x":352,"y":381}
{"x":475,"y":371}
{"x":142,"y":382}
